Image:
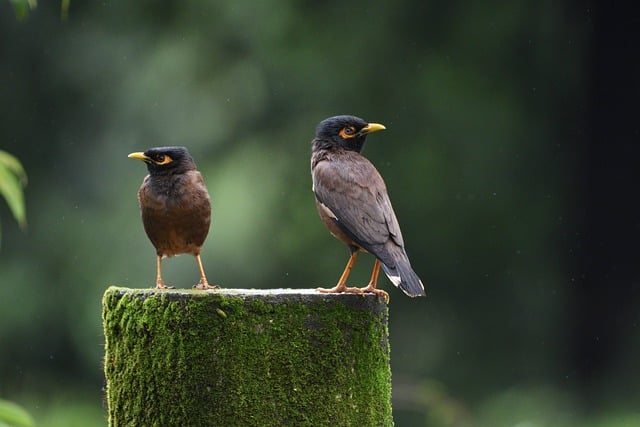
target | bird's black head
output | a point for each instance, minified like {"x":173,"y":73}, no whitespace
{"x":348,"y":132}
{"x":166,"y":160}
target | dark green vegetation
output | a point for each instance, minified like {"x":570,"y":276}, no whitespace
{"x":232,"y":358}
{"x":510,"y":156}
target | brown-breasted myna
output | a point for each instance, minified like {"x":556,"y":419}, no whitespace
{"x":175,"y":206}
{"x":352,"y":200}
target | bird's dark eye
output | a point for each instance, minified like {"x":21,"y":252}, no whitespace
{"x":162,"y":159}
{"x":348,"y":132}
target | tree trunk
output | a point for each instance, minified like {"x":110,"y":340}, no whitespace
{"x":246,"y":357}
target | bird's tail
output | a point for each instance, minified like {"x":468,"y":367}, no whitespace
{"x":403,"y":276}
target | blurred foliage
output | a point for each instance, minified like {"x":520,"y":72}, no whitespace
{"x":23,"y":7}
{"x":13,"y":415}
{"x":12,"y":179}
{"x":484,"y":107}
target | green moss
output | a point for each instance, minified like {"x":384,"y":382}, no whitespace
{"x":233,"y":359}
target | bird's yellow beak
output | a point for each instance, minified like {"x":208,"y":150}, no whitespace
{"x":140,"y":156}
{"x":372,"y":127}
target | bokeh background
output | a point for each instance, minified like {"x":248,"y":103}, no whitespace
{"x":510,"y":155}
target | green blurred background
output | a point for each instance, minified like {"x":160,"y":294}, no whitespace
{"x":510,"y":157}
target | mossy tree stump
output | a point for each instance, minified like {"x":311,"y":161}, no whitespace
{"x":246,"y":358}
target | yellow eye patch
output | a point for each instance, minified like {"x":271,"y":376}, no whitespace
{"x":347,"y":132}
{"x":162,"y":159}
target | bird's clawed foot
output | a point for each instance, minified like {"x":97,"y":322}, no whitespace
{"x":362,"y":291}
{"x":372,"y":289}
{"x":161,"y":285}
{"x":204,"y":285}
{"x":340,"y":289}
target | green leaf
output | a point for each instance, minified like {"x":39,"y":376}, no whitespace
{"x":64,"y":9}
{"x":22,"y":7}
{"x":13,"y":164}
{"x":14,"y":415}
{"x":12,"y":179}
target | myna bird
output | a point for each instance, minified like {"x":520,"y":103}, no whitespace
{"x":175,"y":206}
{"x":352,"y":200}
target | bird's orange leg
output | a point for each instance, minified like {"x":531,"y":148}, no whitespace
{"x":203,"y":283}
{"x":371,"y":287}
{"x":159,"y":282}
{"x":341,"y":286}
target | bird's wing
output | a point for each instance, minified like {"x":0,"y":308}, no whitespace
{"x":353,"y":190}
